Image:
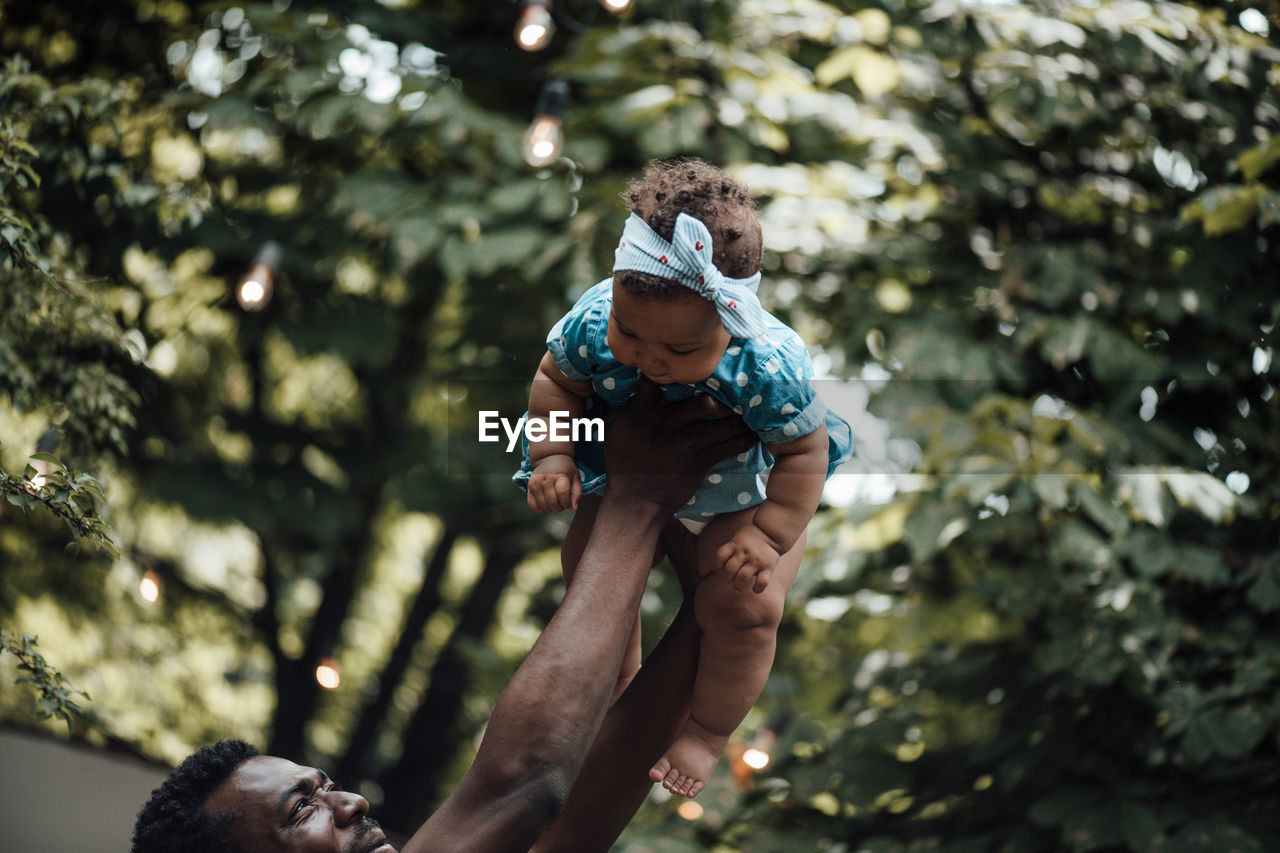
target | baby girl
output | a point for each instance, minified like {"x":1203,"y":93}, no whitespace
{"x":681,"y":309}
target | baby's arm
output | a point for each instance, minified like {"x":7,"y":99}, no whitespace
{"x":792,"y":495}
{"x":554,"y":484}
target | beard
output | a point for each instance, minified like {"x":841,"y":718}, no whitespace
{"x":367,"y":825}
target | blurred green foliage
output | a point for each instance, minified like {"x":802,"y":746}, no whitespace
{"x":1040,"y":236}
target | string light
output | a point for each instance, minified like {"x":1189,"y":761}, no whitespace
{"x":535,"y":27}
{"x":47,"y":443}
{"x":689,"y":810}
{"x":616,"y":6}
{"x":755,"y":758}
{"x":149,"y":587}
{"x":255,"y":288}
{"x":745,"y":760}
{"x":37,"y":481}
{"x":327,"y":674}
{"x":544,"y":140}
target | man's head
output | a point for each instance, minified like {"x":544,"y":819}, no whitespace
{"x":228,"y":798}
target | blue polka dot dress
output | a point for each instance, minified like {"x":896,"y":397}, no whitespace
{"x":767,"y":380}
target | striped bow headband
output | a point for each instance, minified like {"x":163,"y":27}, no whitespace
{"x":687,"y":259}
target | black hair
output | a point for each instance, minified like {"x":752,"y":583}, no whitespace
{"x":175,"y":819}
{"x":669,"y":188}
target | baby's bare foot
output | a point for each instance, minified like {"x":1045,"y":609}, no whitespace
{"x":687,"y":764}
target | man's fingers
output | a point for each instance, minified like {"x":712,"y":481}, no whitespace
{"x":646,"y":391}
{"x":575,"y":493}
{"x":727,"y":437}
{"x":692,"y":410}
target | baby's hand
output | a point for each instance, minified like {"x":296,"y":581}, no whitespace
{"x":554,"y":484}
{"x":748,"y":559}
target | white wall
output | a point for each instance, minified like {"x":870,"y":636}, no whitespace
{"x":57,"y":797}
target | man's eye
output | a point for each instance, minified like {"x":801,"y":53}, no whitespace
{"x":304,"y":802}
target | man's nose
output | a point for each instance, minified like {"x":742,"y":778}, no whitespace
{"x":347,"y":807}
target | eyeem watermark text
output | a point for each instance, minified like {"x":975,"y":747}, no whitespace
{"x":559,"y":426}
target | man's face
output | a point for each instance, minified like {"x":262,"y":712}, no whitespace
{"x":280,"y":806}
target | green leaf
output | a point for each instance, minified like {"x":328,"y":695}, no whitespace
{"x":1239,"y":731}
{"x":924,"y":528}
{"x":1230,"y":733}
{"x":1140,"y":826}
{"x":1197,"y":742}
{"x":1211,"y":836}
{"x":1052,"y":489}
{"x":1258,"y":159}
{"x":1101,"y":510}
{"x":1228,"y":208}
{"x":1056,"y":808}
{"x":1093,"y":829}
{"x":1264,"y":593}
{"x":1202,"y":565}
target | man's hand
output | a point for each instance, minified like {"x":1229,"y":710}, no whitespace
{"x":554,"y":484}
{"x":659,"y":451}
{"x":748,"y":559}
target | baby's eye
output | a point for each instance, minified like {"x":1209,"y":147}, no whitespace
{"x":682,"y":351}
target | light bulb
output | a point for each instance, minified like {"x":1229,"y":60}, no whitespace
{"x":756,"y":759}
{"x":535,"y":27}
{"x":689,"y":810}
{"x":616,"y":5}
{"x":544,"y":140}
{"x":255,"y":288}
{"x":149,"y":587}
{"x":327,"y":675}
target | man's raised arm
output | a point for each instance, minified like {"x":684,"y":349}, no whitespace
{"x":546,"y":720}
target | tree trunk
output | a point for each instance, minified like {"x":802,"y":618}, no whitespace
{"x":355,"y":761}
{"x":431,"y":737}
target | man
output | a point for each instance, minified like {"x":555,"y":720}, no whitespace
{"x":229,"y":798}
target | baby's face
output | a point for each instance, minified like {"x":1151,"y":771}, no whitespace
{"x":675,"y":340}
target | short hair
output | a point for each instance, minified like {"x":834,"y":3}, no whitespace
{"x":671,"y":187}
{"x":175,"y":819}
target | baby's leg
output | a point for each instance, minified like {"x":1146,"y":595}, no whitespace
{"x":739,"y":636}
{"x":575,"y":542}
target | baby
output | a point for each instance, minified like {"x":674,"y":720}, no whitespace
{"x":681,"y":309}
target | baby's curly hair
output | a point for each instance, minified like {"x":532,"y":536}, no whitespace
{"x":688,"y":185}
{"x":175,"y":819}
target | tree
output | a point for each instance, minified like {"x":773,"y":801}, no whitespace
{"x":1064,"y":620}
